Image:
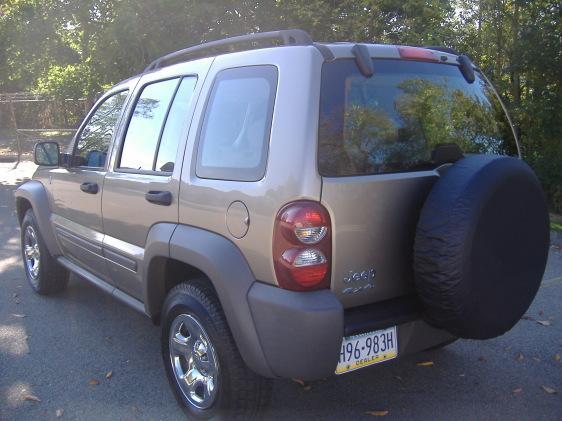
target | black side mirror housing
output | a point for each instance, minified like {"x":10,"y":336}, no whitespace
{"x":47,"y":154}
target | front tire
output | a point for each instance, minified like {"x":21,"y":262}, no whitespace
{"x":43,"y":272}
{"x":203,"y":365}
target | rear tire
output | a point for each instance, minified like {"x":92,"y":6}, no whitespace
{"x":192,"y":316}
{"x":43,"y":272}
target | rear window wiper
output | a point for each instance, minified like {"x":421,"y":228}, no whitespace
{"x":466,"y":68}
{"x":363,"y":60}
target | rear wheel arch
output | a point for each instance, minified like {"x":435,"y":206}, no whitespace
{"x":163,"y":274}
{"x":194,"y":253}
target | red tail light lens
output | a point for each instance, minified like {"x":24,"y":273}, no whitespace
{"x":302,"y":246}
{"x":414,"y":53}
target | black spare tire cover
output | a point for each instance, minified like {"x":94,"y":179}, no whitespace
{"x":481,"y":246}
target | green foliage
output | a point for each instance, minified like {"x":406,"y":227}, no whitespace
{"x":70,"y":81}
{"x":556,"y":224}
{"x":73,"y":48}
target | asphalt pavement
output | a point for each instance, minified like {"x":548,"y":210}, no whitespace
{"x":82,"y":355}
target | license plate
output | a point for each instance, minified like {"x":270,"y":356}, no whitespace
{"x":366,"y":349}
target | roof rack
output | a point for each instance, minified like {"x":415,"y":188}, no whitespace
{"x":286,"y":36}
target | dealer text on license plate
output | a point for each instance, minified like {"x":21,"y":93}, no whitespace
{"x":365,"y":349}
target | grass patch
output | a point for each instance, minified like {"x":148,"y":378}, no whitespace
{"x":556,"y":223}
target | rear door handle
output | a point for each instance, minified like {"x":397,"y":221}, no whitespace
{"x":163,"y":198}
{"x":91,"y":188}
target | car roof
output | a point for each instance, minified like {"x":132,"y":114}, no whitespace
{"x":291,"y":38}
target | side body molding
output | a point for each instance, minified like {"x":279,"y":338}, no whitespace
{"x":223,"y":263}
{"x":34,"y":192}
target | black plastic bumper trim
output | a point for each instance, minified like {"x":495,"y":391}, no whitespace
{"x":382,"y":314}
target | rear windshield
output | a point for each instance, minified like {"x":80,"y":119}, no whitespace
{"x":393,"y":121}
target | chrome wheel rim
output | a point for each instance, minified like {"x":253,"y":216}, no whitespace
{"x":31,"y":252}
{"x":194,"y":361}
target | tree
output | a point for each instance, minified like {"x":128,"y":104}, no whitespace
{"x":74,"y":48}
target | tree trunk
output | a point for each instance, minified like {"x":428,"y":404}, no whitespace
{"x":515,"y":59}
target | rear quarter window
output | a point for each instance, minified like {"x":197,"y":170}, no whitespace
{"x":234,"y":136}
{"x":393,"y":121}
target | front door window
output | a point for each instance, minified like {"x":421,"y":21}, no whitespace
{"x":94,"y":139}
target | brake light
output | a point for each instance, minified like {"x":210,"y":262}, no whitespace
{"x":302,"y":246}
{"x":414,"y":53}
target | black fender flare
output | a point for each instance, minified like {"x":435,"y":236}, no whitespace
{"x":35,"y":193}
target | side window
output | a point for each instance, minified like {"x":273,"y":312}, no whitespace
{"x":234,"y":137}
{"x":146,"y":124}
{"x":176,"y":118}
{"x":153,"y":135}
{"x":93,"y":141}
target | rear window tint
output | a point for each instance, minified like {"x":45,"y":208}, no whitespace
{"x":393,"y":121}
{"x":234,"y":137}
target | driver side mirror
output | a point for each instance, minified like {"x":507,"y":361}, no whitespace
{"x":47,"y":154}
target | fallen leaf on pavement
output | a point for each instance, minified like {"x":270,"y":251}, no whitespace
{"x":549,"y":390}
{"x":304,"y":385}
{"x":518,"y":390}
{"x":425,"y":363}
{"x":109,"y":374}
{"x":377,"y":413}
{"x":59,"y":412}
{"x":544,"y":322}
{"x":557,"y":357}
{"x":520,"y":356}
{"x":94,"y":382}
{"x":34,"y":398}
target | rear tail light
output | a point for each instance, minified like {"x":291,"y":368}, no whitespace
{"x":302,"y":246}
{"x":414,"y":53}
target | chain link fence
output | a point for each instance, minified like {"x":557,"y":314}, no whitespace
{"x":27,"y":118}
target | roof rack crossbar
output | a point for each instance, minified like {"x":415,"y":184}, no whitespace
{"x":287,"y":36}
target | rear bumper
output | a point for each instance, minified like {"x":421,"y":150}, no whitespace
{"x":301,"y":332}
